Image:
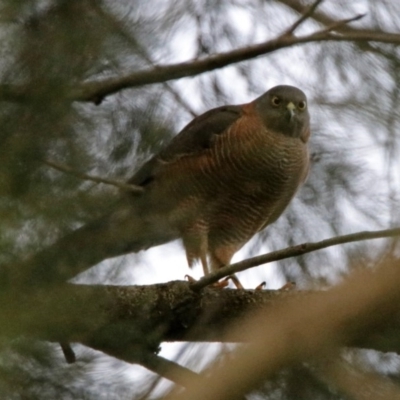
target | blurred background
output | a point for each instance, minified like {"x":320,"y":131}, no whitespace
{"x":51,"y":49}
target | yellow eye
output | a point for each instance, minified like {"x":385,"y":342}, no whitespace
{"x":302,"y":105}
{"x":275,"y":101}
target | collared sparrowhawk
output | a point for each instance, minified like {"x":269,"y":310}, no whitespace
{"x":227,"y":175}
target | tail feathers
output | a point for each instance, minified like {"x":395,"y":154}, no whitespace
{"x":120,"y":232}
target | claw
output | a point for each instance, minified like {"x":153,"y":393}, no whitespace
{"x":221,"y":284}
{"x":190,"y":279}
{"x":288,"y":286}
{"x":260,"y":286}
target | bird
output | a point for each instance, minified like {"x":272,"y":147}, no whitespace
{"x":226,"y":176}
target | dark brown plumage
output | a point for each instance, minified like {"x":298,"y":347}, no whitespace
{"x":228,"y":174}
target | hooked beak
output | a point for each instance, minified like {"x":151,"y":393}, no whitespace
{"x":291,"y":107}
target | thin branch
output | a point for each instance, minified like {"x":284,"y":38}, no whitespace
{"x":326,"y":20}
{"x":319,"y":16}
{"x":97,"y":179}
{"x":307,"y":14}
{"x":166,"y":368}
{"x":96,"y":91}
{"x":161,"y":366}
{"x":120,"y":29}
{"x":292,"y":251}
{"x":68,"y":352}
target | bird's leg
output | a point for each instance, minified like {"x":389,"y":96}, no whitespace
{"x":195,"y":243}
{"x":221,"y":257}
{"x":236,"y":281}
{"x":206,"y":269}
{"x":204,"y":263}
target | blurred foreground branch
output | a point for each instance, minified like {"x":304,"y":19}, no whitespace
{"x":96,"y":91}
{"x":354,"y":382}
{"x":303,"y":329}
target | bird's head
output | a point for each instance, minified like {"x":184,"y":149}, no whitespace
{"x":284,"y":110}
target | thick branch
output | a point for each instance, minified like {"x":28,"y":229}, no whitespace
{"x":130,"y":321}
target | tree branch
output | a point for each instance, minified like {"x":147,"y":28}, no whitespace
{"x":97,"y":179}
{"x":307,"y":14}
{"x":95,"y":91}
{"x":161,"y":366}
{"x":293,"y":251}
{"x":166,"y":368}
{"x":130,"y":322}
{"x":326,"y":20}
{"x":320,"y":16}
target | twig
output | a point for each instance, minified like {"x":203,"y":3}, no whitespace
{"x":120,"y":29}
{"x":324,"y":19}
{"x":161,"y":366}
{"x":292,"y":251}
{"x":318,"y":16}
{"x":338,"y":24}
{"x":307,"y":14}
{"x":166,"y":368}
{"x":68,"y":352}
{"x":97,"y":179}
{"x":170,"y":370}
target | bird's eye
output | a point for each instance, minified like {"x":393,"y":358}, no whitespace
{"x":302,"y":105}
{"x":276,"y":101}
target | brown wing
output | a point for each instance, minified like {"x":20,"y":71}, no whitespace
{"x":197,"y":136}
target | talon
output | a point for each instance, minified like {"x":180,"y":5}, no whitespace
{"x":260,"y":286}
{"x":288,"y":286}
{"x":190,"y":279}
{"x":221,"y":284}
